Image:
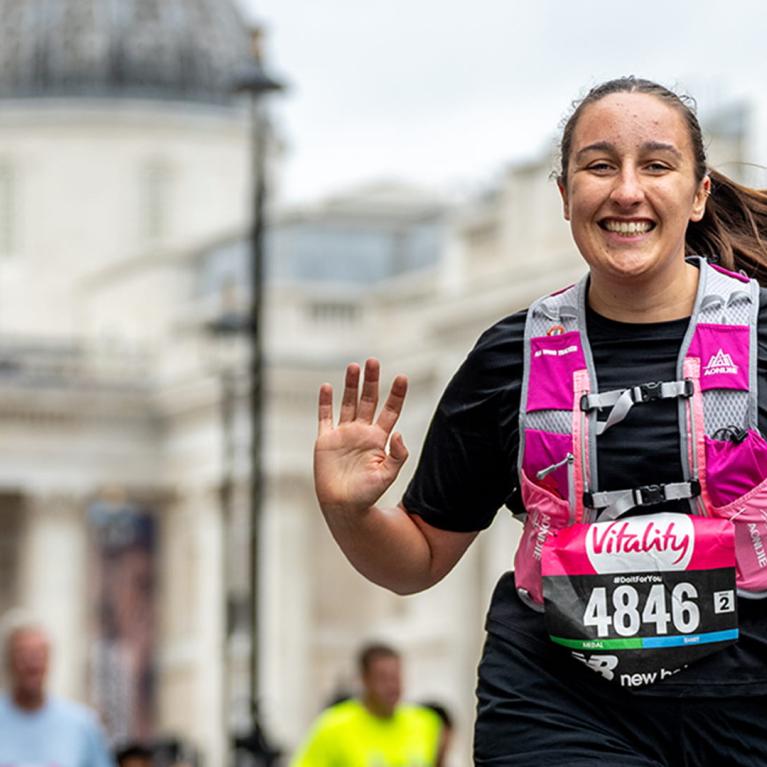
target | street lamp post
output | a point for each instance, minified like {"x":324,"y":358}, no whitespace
{"x":255,"y":82}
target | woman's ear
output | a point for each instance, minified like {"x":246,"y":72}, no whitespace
{"x":701,"y":197}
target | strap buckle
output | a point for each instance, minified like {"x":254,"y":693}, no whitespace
{"x":650,"y":392}
{"x":647,"y":495}
{"x":647,"y":392}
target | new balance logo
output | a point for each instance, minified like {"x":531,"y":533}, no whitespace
{"x":602,"y":664}
{"x":720,"y":363}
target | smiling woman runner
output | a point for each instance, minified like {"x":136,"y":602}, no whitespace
{"x":622,"y":419}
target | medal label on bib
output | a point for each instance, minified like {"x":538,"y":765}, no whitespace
{"x":637,"y":599}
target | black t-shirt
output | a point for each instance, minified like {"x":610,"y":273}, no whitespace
{"x":468,"y":468}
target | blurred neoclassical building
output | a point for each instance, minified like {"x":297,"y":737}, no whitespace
{"x":124,"y":199}
{"x":123,"y":158}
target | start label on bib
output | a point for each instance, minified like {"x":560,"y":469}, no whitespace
{"x":636,"y":599}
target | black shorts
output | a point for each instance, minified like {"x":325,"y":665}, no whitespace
{"x":533,"y":714}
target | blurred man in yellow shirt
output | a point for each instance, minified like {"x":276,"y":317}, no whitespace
{"x":374,"y":730}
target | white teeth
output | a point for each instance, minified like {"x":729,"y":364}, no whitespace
{"x":628,"y":227}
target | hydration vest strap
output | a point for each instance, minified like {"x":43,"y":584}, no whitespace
{"x":613,"y":503}
{"x":622,"y":400}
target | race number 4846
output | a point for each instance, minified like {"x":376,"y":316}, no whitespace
{"x":627,"y":611}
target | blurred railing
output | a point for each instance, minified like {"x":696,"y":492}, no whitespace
{"x":31,"y":361}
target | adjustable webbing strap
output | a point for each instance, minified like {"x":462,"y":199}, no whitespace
{"x":622,"y":400}
{"x":611,"y":504}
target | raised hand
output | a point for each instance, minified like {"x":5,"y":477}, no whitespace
{"x":352,"y":467}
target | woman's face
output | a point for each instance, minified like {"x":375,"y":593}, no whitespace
{"x":631,"y":188}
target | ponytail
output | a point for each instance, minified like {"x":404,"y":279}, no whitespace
{"x":733,"y":230}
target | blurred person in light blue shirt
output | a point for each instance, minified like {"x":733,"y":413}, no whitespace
{"x":38,"y":729}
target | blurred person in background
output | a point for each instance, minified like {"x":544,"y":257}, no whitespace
{"x":134,"y":755}
{"x":374,"y":730}
{"x":171,"y":751}
{"x":37,"y":728}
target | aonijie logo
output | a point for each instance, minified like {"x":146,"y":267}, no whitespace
{"x":657,"y":542}
{"x":720,"y":364}
{"x":543,"y":529}
{"x":757,"y":541}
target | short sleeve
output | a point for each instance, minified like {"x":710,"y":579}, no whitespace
{"x":467,"y":467}
{"x":320,"y":749}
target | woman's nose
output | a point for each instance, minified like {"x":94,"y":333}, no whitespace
{"x":628,"y":189}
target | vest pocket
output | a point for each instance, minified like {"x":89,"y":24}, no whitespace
{"x":734,"y":467}
{"x":736,"y":481}
{"x":546,"y":461}
{"x":546,"y":514}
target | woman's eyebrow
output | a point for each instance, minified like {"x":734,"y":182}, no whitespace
{"x":597,"y":146}
{"x":660,"y":146}
{"x":648,"y":146}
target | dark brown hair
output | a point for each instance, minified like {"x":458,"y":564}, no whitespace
{"x":371,"y":653}
{"x":733,"y":230}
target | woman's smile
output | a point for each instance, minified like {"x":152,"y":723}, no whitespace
{"x":627,"y":228}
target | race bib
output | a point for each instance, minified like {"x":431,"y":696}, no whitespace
{"x":639,"y":598}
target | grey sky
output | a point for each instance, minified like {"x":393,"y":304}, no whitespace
{"x":441,"y":93}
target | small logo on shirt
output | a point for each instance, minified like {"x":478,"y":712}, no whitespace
{"x":556,"y":352}
{"x":720,"y":364}
{"x":602,"y":664}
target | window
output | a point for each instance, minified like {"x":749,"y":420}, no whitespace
{"x":334,"y":312}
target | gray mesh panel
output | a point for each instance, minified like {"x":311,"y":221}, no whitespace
{"x":730,"y":312}
{"x":718,"y":284}
{"x":556,"y":421}
{"x":738,"y":312}
{"x":549,"y":314}
{"x":724,"y":407}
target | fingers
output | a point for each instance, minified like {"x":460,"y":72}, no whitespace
{"x":349,"y":400}
{"x":392,"y":408}
{"x":369,"y":397}
{"x":325,"y":409}
{"x":397,"y":450}
{"x":364,"y":408}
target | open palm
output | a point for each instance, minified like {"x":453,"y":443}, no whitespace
{"x":352,"y":467}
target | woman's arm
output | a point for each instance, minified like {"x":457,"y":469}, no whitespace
{"x":352,"y":470}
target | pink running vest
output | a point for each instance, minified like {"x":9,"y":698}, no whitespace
{"x":724,"y":457}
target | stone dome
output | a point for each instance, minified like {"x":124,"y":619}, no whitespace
{"x":189,"y":50}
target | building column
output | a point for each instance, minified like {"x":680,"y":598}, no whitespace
{"x":285,"y":622}
{"x":53,"y":584}
{"x":190,"y":668}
